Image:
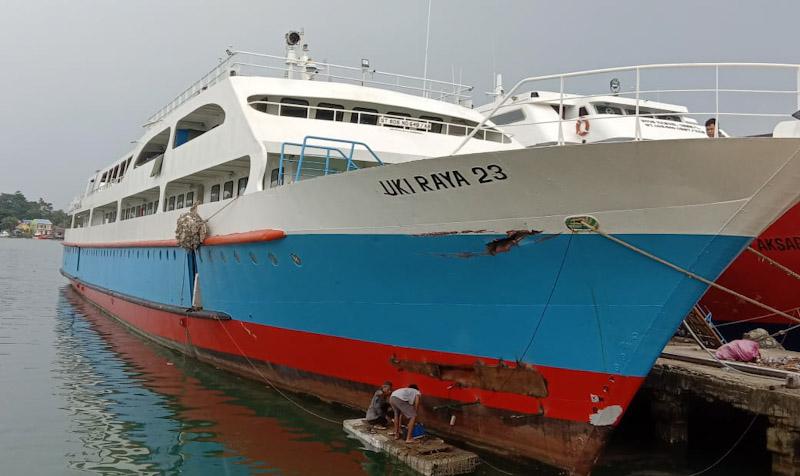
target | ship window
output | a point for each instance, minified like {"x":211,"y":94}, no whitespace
{"x":154,"y":148}
{"x":258,"y":99}
{"x":150,"y":208}
{"x":189,"y":199}
{"x":583,"y":112}
{"x":457,"y":130}
{"x":215,"y":193}
{"x":363,"y":115}
{"x":291,"y":111}
{"x":179,"y":201}
{"x":155,"y":206}
{"x":603,"y":108}
{"x":327,"y":114}
{"x":273,"y":177}
{"x":241,"y":185}
{"x":514,"y":115}
{"x":436,"y":126}
{"x":197,"y":123}
{"x":171,"y":203}
{"x":227,"y":190}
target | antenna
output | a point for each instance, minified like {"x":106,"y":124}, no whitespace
{"x":427,"y":43}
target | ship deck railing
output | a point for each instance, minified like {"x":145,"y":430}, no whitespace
{"x":749,"y":98}
{"x":248,"y":63}
{"x":327,"y":157}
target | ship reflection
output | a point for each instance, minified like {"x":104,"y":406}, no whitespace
{"x":139,"y":408}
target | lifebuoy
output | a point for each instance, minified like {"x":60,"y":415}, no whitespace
{"x":582,"y":127}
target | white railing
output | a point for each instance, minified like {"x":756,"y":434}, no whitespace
{"x":570,"y":87}
{"x":248,"y":63}
{"x":388,"y":120}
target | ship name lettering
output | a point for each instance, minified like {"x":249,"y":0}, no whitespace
{"x":436,"y":181}
{"x":786,"y":243}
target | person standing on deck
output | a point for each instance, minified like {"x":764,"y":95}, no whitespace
{"x":378,"y":411}
{"x":405,"y":402}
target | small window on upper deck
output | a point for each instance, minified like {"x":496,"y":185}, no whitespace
{"x":241,"y":186}
{"x":363,"y":115}
{"x":294,"y":111}
{"x":436,"y":123}
{"x":171,"y":203}
{"x":227,"y":190}
{"x":512,"y":116}
{"x":189,"y":199}
{"x":197,"y":123}
{"x":215,"y":193}
{"x":179,"y":201}
{"x":603,"y":108}
{"x":328,"y":112}
{"x":258,"y":102}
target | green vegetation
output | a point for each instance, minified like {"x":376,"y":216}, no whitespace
{"x":15,"y":207}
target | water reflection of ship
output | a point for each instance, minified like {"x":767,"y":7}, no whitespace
{"x":95,"y":385}
{"x":261,"y":438}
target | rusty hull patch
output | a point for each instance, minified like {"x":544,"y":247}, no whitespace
{"x":512,"y":239}
{"x":521,"y":379}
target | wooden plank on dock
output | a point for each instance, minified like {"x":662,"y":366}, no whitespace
{"x":431,"y":456}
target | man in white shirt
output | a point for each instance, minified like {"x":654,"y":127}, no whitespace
{"x":405,"y":402}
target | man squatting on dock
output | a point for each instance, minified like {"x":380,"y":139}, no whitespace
{"x":380,"y":412}
{"x":405,"y":402}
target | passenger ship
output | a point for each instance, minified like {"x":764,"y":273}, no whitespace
{"x":360,"y":234}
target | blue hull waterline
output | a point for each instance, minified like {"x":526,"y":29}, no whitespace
{"x":616,"y":308}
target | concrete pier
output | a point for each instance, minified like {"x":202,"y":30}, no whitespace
{"x":686,"y":371}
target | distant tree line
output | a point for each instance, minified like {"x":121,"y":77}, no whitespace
{"x":14,"y":207}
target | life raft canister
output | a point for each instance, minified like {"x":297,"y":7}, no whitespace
{"x":582,"y":127}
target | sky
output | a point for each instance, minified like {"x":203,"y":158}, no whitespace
{"x":80,"y":77}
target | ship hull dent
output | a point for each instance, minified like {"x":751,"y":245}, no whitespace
{"x":570,"y":445}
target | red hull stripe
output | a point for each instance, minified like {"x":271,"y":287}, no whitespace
{"x":230,"y":239}
{"x":571,"y":394}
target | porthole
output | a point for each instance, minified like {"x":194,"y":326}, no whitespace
{"x":272,"y":259}
{"x":236,"y":256}
{"x":222,"y":256}
{"x":296,"y":259}
{"x":253,"y":258}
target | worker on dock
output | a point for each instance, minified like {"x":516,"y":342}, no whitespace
{"x":380,"y":412}
{"x":405,"y":402}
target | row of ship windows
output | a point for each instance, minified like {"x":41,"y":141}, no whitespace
{"x":185,"y":200}
{"x":128,"y":253}
{"x":326,"y":111}
{"x":208,"y":254}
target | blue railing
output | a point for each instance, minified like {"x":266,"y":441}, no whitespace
{"x":348,"y":157}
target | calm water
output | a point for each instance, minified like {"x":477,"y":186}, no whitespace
{"x":79,"y":394}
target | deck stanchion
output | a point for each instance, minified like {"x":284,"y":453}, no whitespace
{"x":716,"y":100}
{"x":561,"y":112}
{"x":638,"y":132}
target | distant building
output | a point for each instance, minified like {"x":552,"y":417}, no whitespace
{"x":41,"y":227}
{"x":24,"y":228}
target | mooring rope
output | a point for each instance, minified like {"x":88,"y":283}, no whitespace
{"x":269,"y":382}
{"x":774,"y":263}
{"x":686,"y":272}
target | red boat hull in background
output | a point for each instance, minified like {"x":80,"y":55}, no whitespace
{"x":756,"y":278}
